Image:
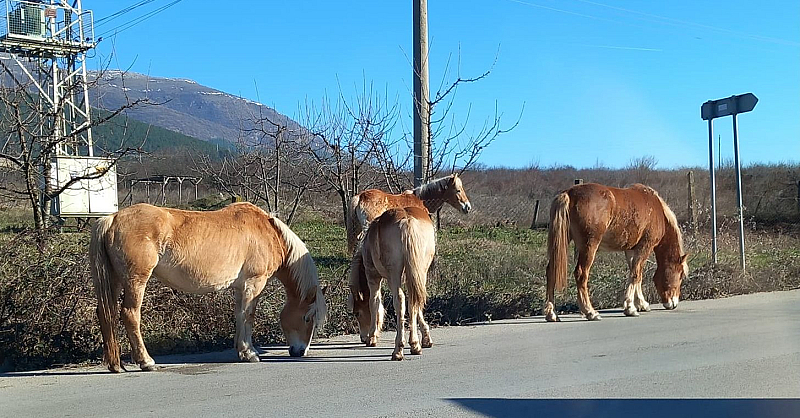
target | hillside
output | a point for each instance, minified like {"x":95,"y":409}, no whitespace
{"x":122,"y":132}
{"x":184,"y":106}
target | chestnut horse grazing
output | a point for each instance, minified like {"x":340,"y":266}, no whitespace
{"x":371,"y":203}
{"x":598,"y":218}
{"x":238,"y":247}
{"x":399,"y":245}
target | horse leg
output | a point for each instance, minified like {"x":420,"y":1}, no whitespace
{"x":426,"y":331}
{"x":549,"y":309}
{"x":585,"y":260}
{"x":246,"y":298}
{"x":413,"y":333}
{"x":636,"y":259}
{"x":376,"y":312}
{"x":640,"y":302}
{"x":399,"y":302}
{"x":133,"y":293}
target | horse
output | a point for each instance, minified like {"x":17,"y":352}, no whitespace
{"x":399,"y":245}
{"x":238,"y":247}
{"x":371,"y":203}
{"x":635,"y":220}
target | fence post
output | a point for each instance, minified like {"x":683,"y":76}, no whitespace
{"x":798,"y":197}
{"x":535,"y":214}
{"x":691,"y":205}
{"x":578,"y":181}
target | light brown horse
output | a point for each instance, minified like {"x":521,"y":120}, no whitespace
{"x":238,"y":247}
{"x":598,"y":218}
{"x":399,"y":246}
{"x":371,"y":203}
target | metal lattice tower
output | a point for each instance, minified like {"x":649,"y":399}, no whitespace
{"x":55,"y":36}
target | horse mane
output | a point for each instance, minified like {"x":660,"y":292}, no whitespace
{"x":432,"y":188}
{"x":302,"y":269}
{"x":671,"y":220}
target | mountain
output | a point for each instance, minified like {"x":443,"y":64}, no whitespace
{"x":122,"y":132}
{"x":186,"y":107}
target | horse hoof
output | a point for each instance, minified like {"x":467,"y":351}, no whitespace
{"x":148,"y":367}
{"x":593,"y":316}
{"x":427,"y":343}
{"x":115,"y":368}
{"x":551,"y":317}
{"x":416,"y":349}
{"x":644,"y":308}
{"x":397,"y":356}
{"x":631,"y":311}
{"x":250,"y":357}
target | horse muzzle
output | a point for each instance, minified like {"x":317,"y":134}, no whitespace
{"x":466,"y":207}
{"x":298,"y":351}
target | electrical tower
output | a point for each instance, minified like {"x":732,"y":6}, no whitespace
{"x":48,"y":40}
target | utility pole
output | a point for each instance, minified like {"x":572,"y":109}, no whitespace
{"x":421,"y":93}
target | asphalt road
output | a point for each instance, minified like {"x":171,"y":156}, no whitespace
{"x":740,"y":347}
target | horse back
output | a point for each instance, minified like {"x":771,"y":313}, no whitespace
{"x":622,"y":218}
{"x":374,"y":202}
{"x":197,"y":251}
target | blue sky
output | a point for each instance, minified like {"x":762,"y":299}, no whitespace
{"x":602,"y":82}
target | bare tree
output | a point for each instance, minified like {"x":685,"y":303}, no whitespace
{"x":642,"y":168}
{"x":33,"y":135}
{"x":451,"y":147}
{"x":267,"y":166}
{"x":350,"y":144}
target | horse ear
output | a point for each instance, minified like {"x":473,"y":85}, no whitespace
{"x":684,"y":258}
{"x":325,"y":290}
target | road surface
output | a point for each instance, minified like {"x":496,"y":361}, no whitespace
{"x":739,"y":347}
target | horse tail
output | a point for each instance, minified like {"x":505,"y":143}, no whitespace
{"x":353,"y":224}
{"x":557,"y":243}
{"x":417,"y":237}
{"x":104,"y":287}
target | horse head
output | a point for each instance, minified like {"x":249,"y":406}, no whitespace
{"x":455,"y":194}
{"x":299,"y":318}
{"x":358,"y":299}
{"x":668,"y":279}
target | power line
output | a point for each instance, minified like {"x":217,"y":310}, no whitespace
{"x":679,"y":22}
{"x":133,"y":22}
{"x":652,"y":18}
{"x":104,"y":20}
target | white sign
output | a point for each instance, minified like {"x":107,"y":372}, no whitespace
{"x":86,"y":197}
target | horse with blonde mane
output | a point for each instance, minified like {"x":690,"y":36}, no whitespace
{"x":399,"y":245}
{"x":371,"y":203}
{"x":598,"y":218}
{"x":238,"y":247}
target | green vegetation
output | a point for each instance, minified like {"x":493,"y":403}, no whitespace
{"x":124,"y":132}
{"x":480,"y":273}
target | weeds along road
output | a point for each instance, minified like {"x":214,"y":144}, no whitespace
{"x":746,"y":346}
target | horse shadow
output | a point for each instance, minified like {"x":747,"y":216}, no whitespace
{"x":564,"y":317}
{"x":203,"y":363}
{"x":614,"y":408}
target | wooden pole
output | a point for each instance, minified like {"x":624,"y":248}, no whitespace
{"x":535,"y":214}
{"x":421,"y":93}
{"x":578,"y":181}
{"x":690,"y":203}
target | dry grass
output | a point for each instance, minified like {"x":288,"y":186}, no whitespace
{"x":489,"y":265}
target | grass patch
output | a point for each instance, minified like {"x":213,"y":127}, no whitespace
{"x":480,"y":273}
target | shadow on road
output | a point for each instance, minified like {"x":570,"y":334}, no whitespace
{"x":615,"y":408}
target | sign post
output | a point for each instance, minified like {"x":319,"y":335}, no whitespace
{"x":730,"y":106}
